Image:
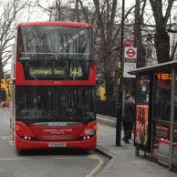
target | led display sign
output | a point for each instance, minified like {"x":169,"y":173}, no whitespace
{"x":56,"y":70}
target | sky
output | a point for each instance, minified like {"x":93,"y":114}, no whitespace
{"x":40,"y":15}
{"x":34,"y":13}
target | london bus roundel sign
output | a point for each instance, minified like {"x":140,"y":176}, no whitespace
{"x":130,"y":52}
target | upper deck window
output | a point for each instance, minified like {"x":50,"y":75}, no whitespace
{"x":55,"y":42}
{"x":55,"y":52}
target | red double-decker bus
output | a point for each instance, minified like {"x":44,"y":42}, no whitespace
{"x":54,"y":84}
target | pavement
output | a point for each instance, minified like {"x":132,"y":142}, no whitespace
{"x":123,"y":161}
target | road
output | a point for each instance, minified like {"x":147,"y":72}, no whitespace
{"x":43,"y":163}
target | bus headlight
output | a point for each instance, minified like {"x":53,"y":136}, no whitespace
{"x":28,"y":138}
{"x":87,"y":134}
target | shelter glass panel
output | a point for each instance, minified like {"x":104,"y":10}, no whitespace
{"x":175,"y":120}
{"x":162,"y":113}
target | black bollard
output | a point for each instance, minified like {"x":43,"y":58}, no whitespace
{"x":118,"y":125}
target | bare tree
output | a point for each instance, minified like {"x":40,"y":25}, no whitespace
{"x":9,"y":12}
{"x":105,"y":42}
{"x":139,"y":12}
{"x":162,"y":40}
{"x":108,"y":28}
{"x":70,"y":10}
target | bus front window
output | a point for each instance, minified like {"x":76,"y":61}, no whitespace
{"x":40,"y":104}
{"x":54,"y":41}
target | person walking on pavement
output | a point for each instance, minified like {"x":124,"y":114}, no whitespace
{"x":128,"y":118}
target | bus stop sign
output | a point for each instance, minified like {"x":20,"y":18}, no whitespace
{"x":130,"y":53}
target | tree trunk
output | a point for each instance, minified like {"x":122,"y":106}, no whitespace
{"x":1,"y":67}
{"x":138,"y":38}
{"x":109,"y":83}
{"x":162,"y":45}
{"x":162,"y":40}
{"x":1,"y":74}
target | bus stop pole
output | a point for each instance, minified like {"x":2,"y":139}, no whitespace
{"x":120,"y":93}
{"x":119,"y":118}
{"x":172,"y":121}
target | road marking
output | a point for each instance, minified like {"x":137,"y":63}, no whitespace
{"x":11,"y":143}
{"x":98,"y":167}
{"x":52,"y":157}
{"x":68,"y":158}
{"x":93,"y":157}
{"x":7,"y":137}
{"x":11,"y":159}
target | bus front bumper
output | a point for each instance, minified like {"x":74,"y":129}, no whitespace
{"x":22,"y":144}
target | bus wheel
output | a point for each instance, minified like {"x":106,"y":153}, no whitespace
{"x":19,"y":153}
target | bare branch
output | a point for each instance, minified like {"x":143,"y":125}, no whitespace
{"x":99,"y":20}
{"x":84,"y":12}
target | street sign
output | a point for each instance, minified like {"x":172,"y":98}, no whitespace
{"x":128,"y":42}
{"x":130,"y":54}
{"x":129,"y":67}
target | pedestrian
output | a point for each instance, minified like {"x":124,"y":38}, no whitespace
{"x":128,"y":117}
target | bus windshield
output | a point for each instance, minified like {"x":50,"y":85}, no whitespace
{"x":54,"y":104}
{"x":48,"y":43}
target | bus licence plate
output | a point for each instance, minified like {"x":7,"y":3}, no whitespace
{"x":57,"y":144}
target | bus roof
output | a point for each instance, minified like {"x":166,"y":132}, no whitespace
{"x":56,"y":23}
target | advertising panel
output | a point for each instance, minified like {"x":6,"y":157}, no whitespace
{"x":141,"y":130}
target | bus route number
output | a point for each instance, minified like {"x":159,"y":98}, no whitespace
{"x":76,"y":72}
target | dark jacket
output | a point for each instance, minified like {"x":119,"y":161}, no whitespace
{"x":129,"y":112}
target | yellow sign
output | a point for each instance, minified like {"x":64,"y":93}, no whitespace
{"x":5,"y":84}
{"x":102,"y":93}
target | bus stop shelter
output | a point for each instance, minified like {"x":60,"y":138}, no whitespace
{"x":156,"y":112}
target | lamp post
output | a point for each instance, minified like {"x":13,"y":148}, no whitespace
{"x":119,"y":99}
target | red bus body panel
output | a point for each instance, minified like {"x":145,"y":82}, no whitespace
{"x":21,"y":144}
{"x":56,"y":23}
{"x":59,"y":136}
